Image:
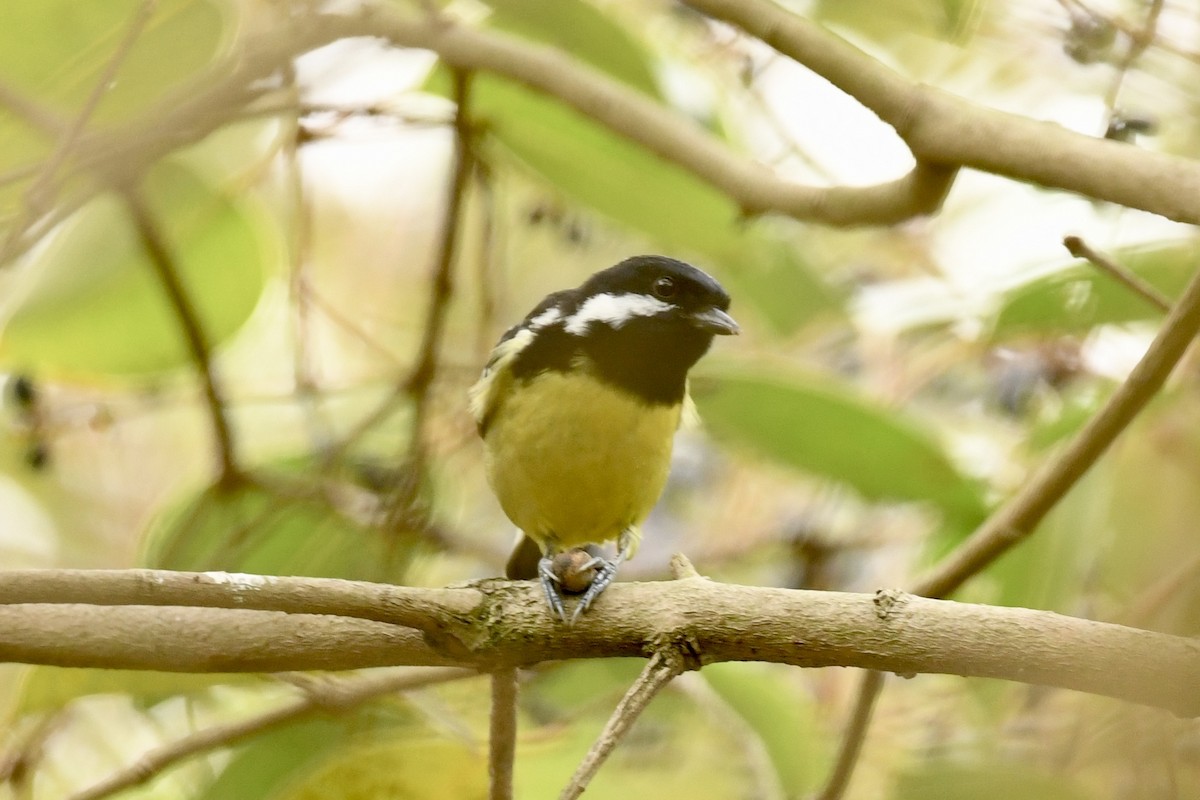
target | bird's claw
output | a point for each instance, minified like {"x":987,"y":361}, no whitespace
{"x":606,"y":571}
{"x":550,"y":583}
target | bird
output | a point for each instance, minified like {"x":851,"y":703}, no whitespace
{"x":578,"y":406}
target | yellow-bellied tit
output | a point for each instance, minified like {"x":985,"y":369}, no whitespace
{"x":578,"y":408}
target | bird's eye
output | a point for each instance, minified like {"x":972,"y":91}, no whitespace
{"x":664,"y":288}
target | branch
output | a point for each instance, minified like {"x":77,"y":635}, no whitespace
{"x":417,"y":384}
{"x":944,"y":132}
{"x":178,"y":639}
{"x":943,"y":129}
{"x":502,"y":734}
{"x":853,"y":737}
{"x":659,"y":671}
{"x":1131,"y":280}
{"x":223,"y":92}
{"x":333,"y":694}
{"x":423,"y":609}
{"x":499,"y":624}
{"x":39,"y":193}
{"x":164,"y":264}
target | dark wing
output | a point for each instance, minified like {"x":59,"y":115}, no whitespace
{"x":497,"y":374}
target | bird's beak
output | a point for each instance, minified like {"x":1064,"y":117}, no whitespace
{"x":714,"y":320}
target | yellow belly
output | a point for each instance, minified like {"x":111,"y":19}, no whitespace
{"x":574,"y":460}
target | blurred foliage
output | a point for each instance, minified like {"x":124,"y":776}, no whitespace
{"x":890,"y":389}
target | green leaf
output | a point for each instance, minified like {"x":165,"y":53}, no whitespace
{"x":784,"y":719}
{"x":891,"y":23}
{"x":54,"y":52}
{"x":582,"y":30}
{"x":251,"y":528}
{"x":944,"y":780}
{"x":96,"y":305}
{"x":51,"y":688}
{"x":57,"y":50}
{"x":404,"y":767}
{"x":820,"y":428}
{"x":274,"y":758}
{"x":1080,"y":297}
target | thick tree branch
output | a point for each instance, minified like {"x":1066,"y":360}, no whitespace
{"x":943,"y":129}
{"x":502,"y":624}
{"x":423,"y":609}
{"x":177,"y":639}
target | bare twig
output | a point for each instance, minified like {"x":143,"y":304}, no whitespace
{"x":20,"y":761}
{"x":421,"y":379}
{"x":1139,"y":40}
{"x":318,"y":697}
{"x":32,"y":112}
{"x":853,"y":737}
{"x":660,"y":670}
{"x":1151,"y":601}
{"x":1135,"y":283}
{"x":38,"y":194}
{"x":682,"y":567}
{"x":416,"y":385}
{"x":164,"y":264}
{"x":486,"y":263}
{"x":502,"y":741}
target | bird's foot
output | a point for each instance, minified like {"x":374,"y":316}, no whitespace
{"x":606,"y":571}
{"x":550,"y":583}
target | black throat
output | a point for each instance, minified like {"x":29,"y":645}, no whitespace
{"x":647,"y":356}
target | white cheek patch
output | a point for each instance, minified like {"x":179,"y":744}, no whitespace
{"x":547,"y":317}
{"x":614,"y":310}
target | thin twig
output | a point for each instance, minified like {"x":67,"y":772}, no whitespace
{"x":313,"y":297}
{"x":31,"y":112}
{"x":338,"y":694}
{"x":416,"y":385}
{"x":1081,"y":249}
{"x":658,"y":672}
{"x":165,"y":266}
{"x":37,"y":195}
{"x":421,"y":379}
{"x":1139,"y":40}
{"x":486,"y":263}
{"x":502,"y":747}
{"x":304,"y":370}
{"x":1151,"y":601}
{"x":853,"y":737}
